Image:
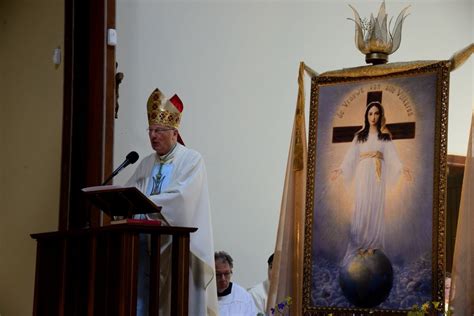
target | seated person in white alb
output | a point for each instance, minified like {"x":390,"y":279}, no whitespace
{"x":233,"y":299}
{"x":260,"y":291}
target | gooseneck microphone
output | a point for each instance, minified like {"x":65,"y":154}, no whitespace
{"x":131,"y":158}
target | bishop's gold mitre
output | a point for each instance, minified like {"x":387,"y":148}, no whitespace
{"x":162,"y":111}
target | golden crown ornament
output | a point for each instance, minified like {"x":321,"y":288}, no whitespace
{"x":164,"y":112}
{"x":373,"y":38}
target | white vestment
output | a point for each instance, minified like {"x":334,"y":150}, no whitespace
{"x":259,"y":294}
{"x":237,"y":303}
{"x":185,"y":202}
{"x":367,"y":225}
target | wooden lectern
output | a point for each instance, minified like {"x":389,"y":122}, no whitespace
{"x":94,"y":271}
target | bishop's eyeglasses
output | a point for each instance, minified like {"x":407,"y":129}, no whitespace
{"x":158,"y":130}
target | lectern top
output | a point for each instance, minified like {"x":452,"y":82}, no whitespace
{"x":117,"y":200}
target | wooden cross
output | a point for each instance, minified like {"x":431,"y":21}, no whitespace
{"x":345,"y":134}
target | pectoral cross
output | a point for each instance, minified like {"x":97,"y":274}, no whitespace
{"x":345,"y":134}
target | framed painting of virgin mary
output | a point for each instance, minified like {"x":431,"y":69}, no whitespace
{"x":374,"y":232}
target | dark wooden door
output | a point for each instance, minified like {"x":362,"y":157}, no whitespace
{"x":89,"y":102}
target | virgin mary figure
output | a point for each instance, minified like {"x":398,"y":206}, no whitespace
{"x":371,"y":164}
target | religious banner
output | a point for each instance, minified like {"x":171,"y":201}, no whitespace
{"x":376,"y":181}
{"x":375,"y":192}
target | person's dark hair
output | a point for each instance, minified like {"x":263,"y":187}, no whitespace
{"x":270,"y":259}
{"x":363,"y":134}
{"x":224,"y":257}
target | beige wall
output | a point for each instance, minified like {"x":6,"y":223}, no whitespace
{"x":30,"y":135}
{"x":235,"y":64}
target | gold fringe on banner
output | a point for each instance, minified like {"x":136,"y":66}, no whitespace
{"x":378,"y":70}
{"x":287,"y":272}
{"x":299,"y":122}
{"x":460,"y":57}
{"x":455,"y":62}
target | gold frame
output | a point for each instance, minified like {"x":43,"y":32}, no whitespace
{"x":383,"y":72}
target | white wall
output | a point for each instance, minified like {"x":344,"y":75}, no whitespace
{"x":235,"y":64}
{"x":30,"y":137}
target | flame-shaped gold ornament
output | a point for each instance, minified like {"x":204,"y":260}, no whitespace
{"x":374,"y":39}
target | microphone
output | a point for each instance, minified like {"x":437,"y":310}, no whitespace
{"x":131,"y":158}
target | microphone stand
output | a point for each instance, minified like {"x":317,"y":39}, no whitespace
{"x":116,"y":171}
{"x":108,"y":179}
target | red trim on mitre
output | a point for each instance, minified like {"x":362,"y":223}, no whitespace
{"x":176,"y":101}
{"x":178,"y":104}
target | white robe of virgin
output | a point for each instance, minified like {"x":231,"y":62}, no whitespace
{"x":185,"y":202}
{"x":367,"y":225}
{"x":237,"y":303}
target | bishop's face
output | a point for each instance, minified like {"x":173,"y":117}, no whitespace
{"x":162,"y":138}
{"x":223,"y":275}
